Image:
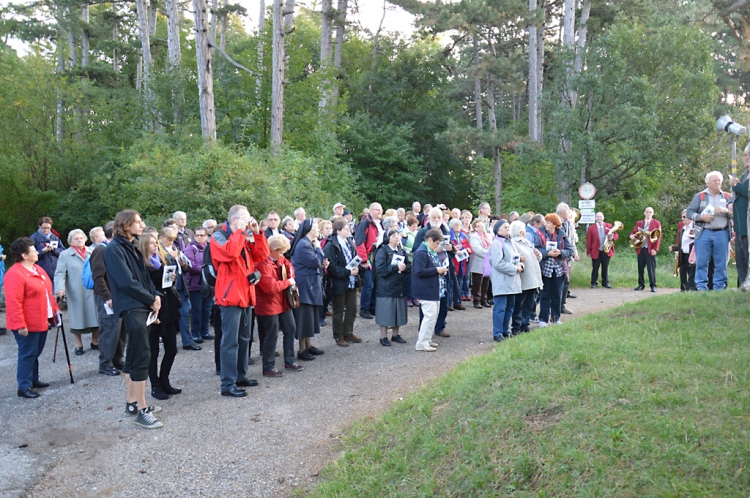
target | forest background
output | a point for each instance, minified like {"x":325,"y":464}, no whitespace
{"x":165,"y":104}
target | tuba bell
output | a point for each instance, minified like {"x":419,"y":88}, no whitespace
{"x":616,"y":227}
{"x":577,"y":213}
{"x":642,"y":236}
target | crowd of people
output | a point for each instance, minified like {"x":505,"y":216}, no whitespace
{"x":134,"y":289}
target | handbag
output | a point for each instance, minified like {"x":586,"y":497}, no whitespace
{"x":291,"y":292}
{"x":170,"y":310}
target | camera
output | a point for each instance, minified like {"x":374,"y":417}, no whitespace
{"x":253,"y":277}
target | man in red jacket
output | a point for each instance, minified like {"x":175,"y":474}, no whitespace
{"x":596,"y":235}
{"x":647,"y":253}
{"x":234,"y":252}
{"x":368,"y":237}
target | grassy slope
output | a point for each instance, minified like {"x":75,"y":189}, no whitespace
{"x":650,"y":399}
{"x":623,"y":271}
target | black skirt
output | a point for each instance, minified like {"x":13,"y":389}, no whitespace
{"x":307,"y":317}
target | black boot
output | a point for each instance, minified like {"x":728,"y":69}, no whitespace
{"x":167,"y":387}
{"x":157,"y":391}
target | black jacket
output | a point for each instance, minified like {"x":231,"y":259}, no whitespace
{"x":425,"y":280}
{"x":129,"y":282}
{"x":338,"y":275}
{"x":391,"y":283}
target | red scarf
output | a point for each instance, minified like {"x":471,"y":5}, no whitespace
{"x":484,"y":239}
{"x":81,"y":252}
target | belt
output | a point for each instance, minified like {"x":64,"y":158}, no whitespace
{"x":715,"y":229}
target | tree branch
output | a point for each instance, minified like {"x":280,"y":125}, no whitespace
{"x":233,"y":62}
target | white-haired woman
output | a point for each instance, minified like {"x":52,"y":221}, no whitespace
{"x":531,"y":278}
{"x":81,"y":305}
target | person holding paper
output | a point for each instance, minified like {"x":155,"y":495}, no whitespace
{"x":175,"y":262}
{"x":556,"y":252}
{"x":48,"y":246}
{"x":169,"y":315}
{"x":343,"y":280}
{"x":30,"y":308}
{"x":391,"y":270}
{"x":430,"y":285}
{"x":134,"y":298}
{"x":531,"y":278}
{"x":506,"y":265}
{"x":480,"y":243}
{"x":711,"y":210}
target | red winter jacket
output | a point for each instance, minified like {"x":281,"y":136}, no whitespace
{"x":270,"y":290}
{"x":366,"y":237}
{"x":234,"y":259}
{"x":25,"y":299}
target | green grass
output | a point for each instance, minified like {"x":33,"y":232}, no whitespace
{"x":623,"y":271}
{"x":648,"y":399}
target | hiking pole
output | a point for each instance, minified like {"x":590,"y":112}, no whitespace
{"x":54,"y":354}
{"x":65,"y":344}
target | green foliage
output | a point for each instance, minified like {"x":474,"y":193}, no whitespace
{"x":635,"y":401}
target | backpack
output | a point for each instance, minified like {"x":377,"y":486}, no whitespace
{"x":208,"y":270}
{"x":86,"y":277}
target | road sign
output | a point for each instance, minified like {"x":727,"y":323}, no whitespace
{"x":591,"y":204}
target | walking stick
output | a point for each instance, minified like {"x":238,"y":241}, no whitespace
{"x":65,"y":344}
{"x":54,"y":355}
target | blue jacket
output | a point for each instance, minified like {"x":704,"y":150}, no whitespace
{"x":425,"y":280}
{"x":308,"y":271}
{"x":129,"y":282}
{"x":48,"y":260}
{"x":2,"y":268}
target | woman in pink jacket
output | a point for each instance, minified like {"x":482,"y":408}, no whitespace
{"x":30,"y":309}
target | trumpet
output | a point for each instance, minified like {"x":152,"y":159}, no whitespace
{"x":642,"y":236}
{"x":610,"y":242}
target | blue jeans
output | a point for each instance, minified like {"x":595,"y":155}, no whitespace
{"x":502,"y":312}
{"x":465,"y":280}
{"x":367,"y":297}
{"x":523,"y":310}
{"x":30,"y":348}
{"x":235,"y":344}
{"x":187,"y":339}
{"x":709,"y":244}
{"x":201,"y":307}
{"x":442,"y":315}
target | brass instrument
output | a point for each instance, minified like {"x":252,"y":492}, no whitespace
{"x":676,"y":264}
{"x":642,"y":236}
{"x":577,"y":213}
{"x":609,"y":242}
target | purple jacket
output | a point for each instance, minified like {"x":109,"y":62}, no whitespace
{"x":194,"y":253}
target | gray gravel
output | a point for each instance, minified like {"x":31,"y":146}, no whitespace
{"x":76,"y":439}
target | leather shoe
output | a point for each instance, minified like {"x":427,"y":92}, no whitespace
{"x":39,"y":385}
{"x":593,"y":286}
{"x":111,"y":371}
{"x":234,"y":393}
{"x":398,"y":339}
{"x":28,"y":393}
{"x":273,"y":373}
{"x":315,"y":351}
{"x":478,"y":306}
{"x":460,"y":307}
{"x":247,"y":382}
{"x":639,"y":288}
{"x":572,"y":296}
{"x":442,"y":334}
{"x":352,"y":338}
{"x":95,"y":347}
{"x":208,"y":337}
{"x":564,"y":310}
{"x":198,"y":340}
{"x":294,"y":367}
{"x":192,"y":347}
{"x":305,"y":356}
{"x":79,"y":351}
{"x":653,"y":289}
{"x":606,"y":286}
{"x":342,"y":342}
{"x":366,"y":315}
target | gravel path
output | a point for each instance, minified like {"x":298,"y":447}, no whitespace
{"x":75,"y":439}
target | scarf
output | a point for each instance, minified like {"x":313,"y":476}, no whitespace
{"x":155,"y":261}
{"x":45,"y":236}
{"x":484,"y":239}
{"x":81,"y":252}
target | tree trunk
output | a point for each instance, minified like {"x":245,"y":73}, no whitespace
{"x":581,"y":44}
{"x":261,"y":26}
{"x":174,"y":56}
{"x":377,"y":40}
{"x":85,"y":37}
{"x":205,"y":72}
{"x":214,"y":22}
{"x":540,"y":75}
{"x":288,"y":15}
{"x":340,"y":33}
{"x":277,"y":79}
{"x":223,"y":39}
{"x":115,"y":54}
{"x":478,"y":94}
{"x":497,"y":166}
{"x":533,"y":77}
{"x":144,"y":32}
{"x":326,"y":51}
{"x":151,"y":18}
{"x":72,"y":52}
{"x":59,"y":69}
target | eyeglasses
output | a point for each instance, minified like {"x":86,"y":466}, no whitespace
{"x":200,"y":235}
{"x":684,"y":216}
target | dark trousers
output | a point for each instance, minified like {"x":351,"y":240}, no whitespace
{"x":268,"y":327}
{"x":566,"y":286}
{"x":455,"y":288}
{"x":603,"y":261}
{"x":112,"y":337}
{"x":216,"y":318}
{"x":168,"y":334}
{"x":479,"y":286}
{"x":524,"y":309}
{"x":687,"y":276}
{"x":645,"y":260}
{"x":200,"y":314}
{"x":367,"y":295}
{"x":344,"y":313}
{"x":235,"y":344}
{"x":30,"y":347}
{"x":551,"y":301}
{"x":137,"y":352}
{"x":740,"y":257}
{"x":442,"y":315}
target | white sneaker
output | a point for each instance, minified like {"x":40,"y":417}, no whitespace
{"x":558,"y":322}
{"x":434,"y":344}
{"x":429,"y":349}
{"x":542,"y":324}
{"x":147,"y":420}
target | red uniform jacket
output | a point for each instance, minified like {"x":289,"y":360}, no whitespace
{"x":654,"y":224}
{"x":270,"y":290}
{"x":593,"y":243}
{"x":26,"y":299}
{"x":234,"y":259}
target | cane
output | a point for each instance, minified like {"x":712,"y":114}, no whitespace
{"x":54,"y":354}
{"x":65,"y":344}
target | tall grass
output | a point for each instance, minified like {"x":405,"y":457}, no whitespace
{"x":649,"y":399}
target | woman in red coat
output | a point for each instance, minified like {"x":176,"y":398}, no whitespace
{"x":30,"y":308}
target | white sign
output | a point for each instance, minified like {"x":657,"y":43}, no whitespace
{"x":587,"y":219}
{"x":586,"y":204}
